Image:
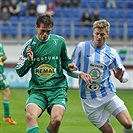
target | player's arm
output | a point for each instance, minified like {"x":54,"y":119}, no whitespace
{"x":121,"y":75}
{"x":78,"y":74}
{"x":66,"y":62}
{"x":72,"y":67}
{"x":119,"y":70}
{"x":76,"y":60}
{"x":25,"y":62}
{"x":3,"y":58}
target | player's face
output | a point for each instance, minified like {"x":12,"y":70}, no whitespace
{"x":43,"y":31}
{"x":100,"y":35}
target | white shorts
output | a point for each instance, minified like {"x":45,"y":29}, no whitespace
{"x":99,"y":111}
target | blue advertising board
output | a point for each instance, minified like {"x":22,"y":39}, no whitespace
{"x":14,"y":80}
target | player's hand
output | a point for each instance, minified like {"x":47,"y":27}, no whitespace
{"x":29,"y":53}
{"x":86,"y":77}
{"x":118,"y":74}
{"x":72,"y":67}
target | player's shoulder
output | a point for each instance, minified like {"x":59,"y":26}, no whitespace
{"x":28,"y":43}
{"x":111,"y":50}
{"x":55,"y":36}
{"x":83,"y":43}
{"x":1,"y":45}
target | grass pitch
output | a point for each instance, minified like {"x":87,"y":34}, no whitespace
{"x":74,"y":120}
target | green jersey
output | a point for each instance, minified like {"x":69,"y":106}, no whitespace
{"x":50,"y":58}
{"x":2,"y":53}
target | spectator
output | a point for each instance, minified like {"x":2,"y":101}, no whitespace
{"x":86,"y":18}
{"x":59,"y":3}
{"x":31,"y":8}
{"x":5,"y":4}
{"x":111,"y":3}
{"x":5,"y":15}
{"x":51,"y":9}
{"x":14,"y":8}
{"x":96,"y":16}
{"x":67,"y":3}
{"x":42,"y":7}
{"x":23,"y":2}
{"x":75,"y":3}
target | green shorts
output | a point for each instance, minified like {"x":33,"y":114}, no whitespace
{"x":3,"y":82}
{"x":45,"y":99}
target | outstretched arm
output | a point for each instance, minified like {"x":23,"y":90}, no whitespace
{"x":78,"y":74}
{"x":86,"y":77}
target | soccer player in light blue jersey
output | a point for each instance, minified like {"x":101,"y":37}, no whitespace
{"x":45,"y":54}
{"x":95,"y":61}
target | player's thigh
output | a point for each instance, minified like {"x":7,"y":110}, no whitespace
{"x":98,"y":115}
{"x":115,"y":106}
{"x":36,"y":102}
{"x":57,"y":98}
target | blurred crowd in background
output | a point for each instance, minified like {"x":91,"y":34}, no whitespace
{"x":71,"y":17}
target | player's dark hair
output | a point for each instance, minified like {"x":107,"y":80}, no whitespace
{"x":45,"y":19}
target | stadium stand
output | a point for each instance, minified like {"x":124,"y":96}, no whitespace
{"x":13,"y":29}
{"x":77,"y":31}
{"x":67,"y":31}
{"x":58,"y":12}
{"x":58,"y":30}
{"x":23,"y":30}
{"x":22,"y":11}
{"x":113,"y":32}
{"x":121,"y":32}
{"x":120,"y":4}
{"x":5,"y":30}
{"x":68,"y":20}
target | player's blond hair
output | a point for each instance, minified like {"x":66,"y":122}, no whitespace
{"x":102,"y":24}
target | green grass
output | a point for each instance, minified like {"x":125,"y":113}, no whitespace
{"x":74,"y":120}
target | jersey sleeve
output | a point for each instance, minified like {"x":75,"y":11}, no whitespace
{"x":2,"y":52}
{"x":76,"y":55}
{"x":64,"y":57}
{"x":23,"y":64}
{"x":118,"y":63}
{"x":75,"y":58}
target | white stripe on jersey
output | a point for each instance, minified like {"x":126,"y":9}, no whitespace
{"x":98,"y":62}
{"x":25,"y":45}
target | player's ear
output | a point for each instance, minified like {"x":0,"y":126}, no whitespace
{"x":108,"y":34}
{"x":36,"y":27}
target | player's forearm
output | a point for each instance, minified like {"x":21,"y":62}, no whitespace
{"x":74,"y":74}
{"x":125,"y":77}
{"x":23,"y":68}
{"x":3,"y":58}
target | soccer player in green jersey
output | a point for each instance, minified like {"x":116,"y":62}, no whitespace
{"x":4,"y":88}
{"x":46,"y":56}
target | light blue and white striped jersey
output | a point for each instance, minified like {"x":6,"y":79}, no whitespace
{"x":97,"y":62}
